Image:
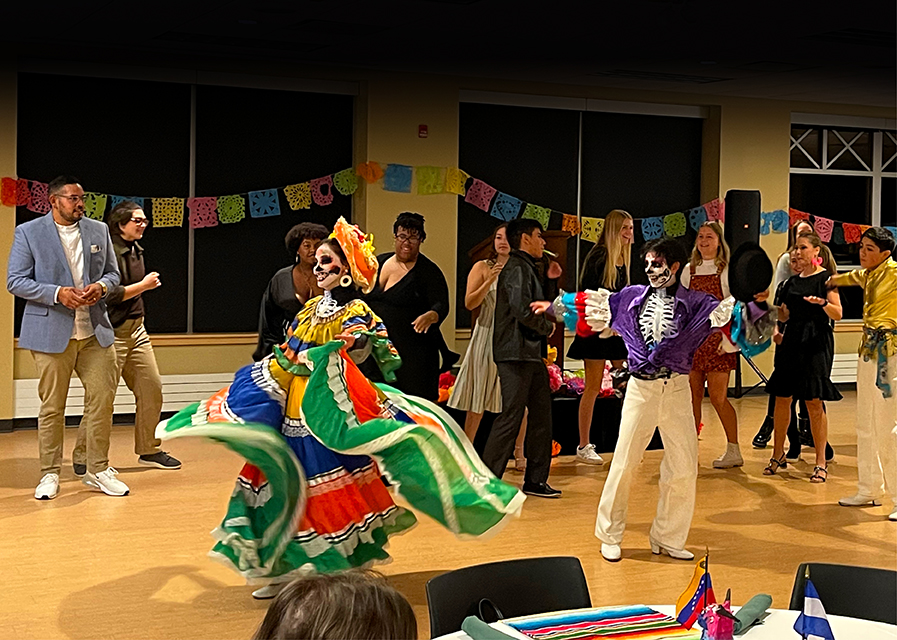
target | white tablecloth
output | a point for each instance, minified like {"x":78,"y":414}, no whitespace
{"x":778,"y":625}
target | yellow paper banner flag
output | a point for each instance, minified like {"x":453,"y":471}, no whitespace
{"x":591,"y":228}
{"x":455,"y":179}
{"x":168,"y":212}
{"x":298,"y":196}
{"x":429,"y":180}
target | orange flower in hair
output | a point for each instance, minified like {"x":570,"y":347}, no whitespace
{"x":359,"y":250}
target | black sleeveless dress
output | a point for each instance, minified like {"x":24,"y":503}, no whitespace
{"x":803,"y":362}
{"x":594,"y":347}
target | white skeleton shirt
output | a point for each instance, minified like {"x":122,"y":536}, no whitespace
{"x":656,"y":320}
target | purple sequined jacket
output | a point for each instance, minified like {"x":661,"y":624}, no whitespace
{"x":692,"y":317}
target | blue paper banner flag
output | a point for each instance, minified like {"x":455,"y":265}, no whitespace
{"x":263,"y":204}
{"x":697,"y":217}
{"x":505,"y":207}
{"x":652,"y":228}
{"x":397,"y":178}
{"x":892,"y":231}
{"x":116,"y":200}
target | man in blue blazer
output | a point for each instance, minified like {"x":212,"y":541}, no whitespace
{"x":63,"y":264}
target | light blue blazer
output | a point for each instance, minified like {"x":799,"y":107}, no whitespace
{"x":37,"y":266}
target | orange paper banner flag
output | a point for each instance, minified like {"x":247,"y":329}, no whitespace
{"x":370,"y":171}
{"x":571,"y":224}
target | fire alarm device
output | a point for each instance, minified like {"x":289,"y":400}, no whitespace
{"x":422,"y":131}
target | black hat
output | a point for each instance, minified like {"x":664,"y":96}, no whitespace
{"x":750,"y":271}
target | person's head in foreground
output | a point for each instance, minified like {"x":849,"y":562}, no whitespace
{"x":876,"y":246}
{"x":355,"y":605}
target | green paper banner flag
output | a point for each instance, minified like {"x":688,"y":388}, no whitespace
{"x":539,"y":214}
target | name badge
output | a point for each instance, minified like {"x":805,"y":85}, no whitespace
{"x":94,"y":248}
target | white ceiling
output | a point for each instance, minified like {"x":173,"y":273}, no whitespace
{"x":794,"y":50}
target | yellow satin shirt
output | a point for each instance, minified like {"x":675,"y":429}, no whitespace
{"x":879,"y":296}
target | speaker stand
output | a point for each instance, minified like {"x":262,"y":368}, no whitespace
{"x":739,"y":388}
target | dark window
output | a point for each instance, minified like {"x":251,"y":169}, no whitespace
{"x":250,"y":139}
{"x":121,"y":137}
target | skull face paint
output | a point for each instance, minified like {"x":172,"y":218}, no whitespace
{"x":328,"y":268}
{"x":658,"y":271}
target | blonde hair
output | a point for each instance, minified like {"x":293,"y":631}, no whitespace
{"x":722,"y":251}
{"x":610,"y":241}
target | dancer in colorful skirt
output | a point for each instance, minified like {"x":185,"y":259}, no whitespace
{"x":318,"y":436}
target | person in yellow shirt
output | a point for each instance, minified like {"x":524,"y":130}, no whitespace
{"x":876,"y":370}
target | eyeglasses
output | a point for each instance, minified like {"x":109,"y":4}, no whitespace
{"x":140,"y":221}
{"x":402,"y":238}
{"x":72,"y":199}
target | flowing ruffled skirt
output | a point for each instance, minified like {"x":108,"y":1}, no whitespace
{"x":317,"y":438}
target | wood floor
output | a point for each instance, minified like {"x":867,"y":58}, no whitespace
{"x":90,"y":566}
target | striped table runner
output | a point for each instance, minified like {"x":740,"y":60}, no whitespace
{"x":637,"y":621}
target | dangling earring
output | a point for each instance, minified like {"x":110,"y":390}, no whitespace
{"x":346,"y":280}
{"x":817,"y":261}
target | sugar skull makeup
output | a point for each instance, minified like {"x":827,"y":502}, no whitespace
{"x":328,"y":268}
{"x":658,"y":271}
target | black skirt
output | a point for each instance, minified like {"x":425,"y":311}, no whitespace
{"x":596,"y":348}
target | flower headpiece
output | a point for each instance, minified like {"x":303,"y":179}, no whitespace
{"x":359,"y":250}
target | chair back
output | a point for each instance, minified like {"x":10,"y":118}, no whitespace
{"x":845,"y":590}
{"x":513,"y":587}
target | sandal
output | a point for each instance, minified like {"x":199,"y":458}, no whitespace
{"x":820,"y":474}
{"x":774,"y":465}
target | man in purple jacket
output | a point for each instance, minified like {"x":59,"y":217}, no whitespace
{"x":662,"y":325}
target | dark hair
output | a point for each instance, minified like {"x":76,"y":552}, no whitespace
{"x":121,"y":214}
{"x":828,"y":260}
{"x":671,"y":250}
{"x":881,"y":237}
{"x":58,"y":183}
{"x":356,"y":604}
{"x":410,"y":221}
{"x":518,"y":226}
{"x":493,"y":254}
{"x":301,"y":232}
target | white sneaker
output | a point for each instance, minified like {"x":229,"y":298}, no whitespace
{"x":48,"y":487}
{"x":588,"y":455}
{"x":893,"y":516}
{"x":731,"y":458}
{"x":859,"y":500}
{"x":611,"y":552}
{"x":678,"y":554}
{"x":268,"y":591}
{"x":106,"y":482}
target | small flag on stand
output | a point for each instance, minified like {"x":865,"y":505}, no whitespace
{"x":697,"y":595}
{"x":812,"y":623}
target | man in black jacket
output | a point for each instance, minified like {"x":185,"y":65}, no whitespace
{"x":517,"y":346}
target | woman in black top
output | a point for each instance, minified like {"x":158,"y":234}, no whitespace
{"x":803,"y":360}
{"x":606,"y":267}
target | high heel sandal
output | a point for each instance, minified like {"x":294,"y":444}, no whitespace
{"x":820,"y":475}
{"x":774,"y":465}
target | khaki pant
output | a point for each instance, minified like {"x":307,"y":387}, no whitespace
{"x":665,"y":404}
{"x":136,"y":363}
{"x":95,"y":366}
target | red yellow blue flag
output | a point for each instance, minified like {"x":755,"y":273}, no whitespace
{"x":697,"y":595}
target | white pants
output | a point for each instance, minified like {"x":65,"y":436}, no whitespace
{"x":876,"y":440}
{"x":654,"y":403}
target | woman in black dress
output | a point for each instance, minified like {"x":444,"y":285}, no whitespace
{"x":606,"y":267}
{"x":803,"y":360}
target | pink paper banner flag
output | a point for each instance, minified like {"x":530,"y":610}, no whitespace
{"x":322,"y":190}
{"x":716,"y":210}
{"x":480,"y":194}
{"x":40,"y":202}
{"x":202,"y":212}
{"x":824,"y":228}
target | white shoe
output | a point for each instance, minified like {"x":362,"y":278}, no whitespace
{"x":106,"y":482}
{"x":268,"y":591}
{"x":893,"y":516}
{"x":731,"y":458}
{"x":611,"y":552}
{"x":48,"y":487}
{"x":588,"y":455}
{"x":859,"y":500}
{"x":678,"y":554}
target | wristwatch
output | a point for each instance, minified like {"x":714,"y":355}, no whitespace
{"x":103,"y":287}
